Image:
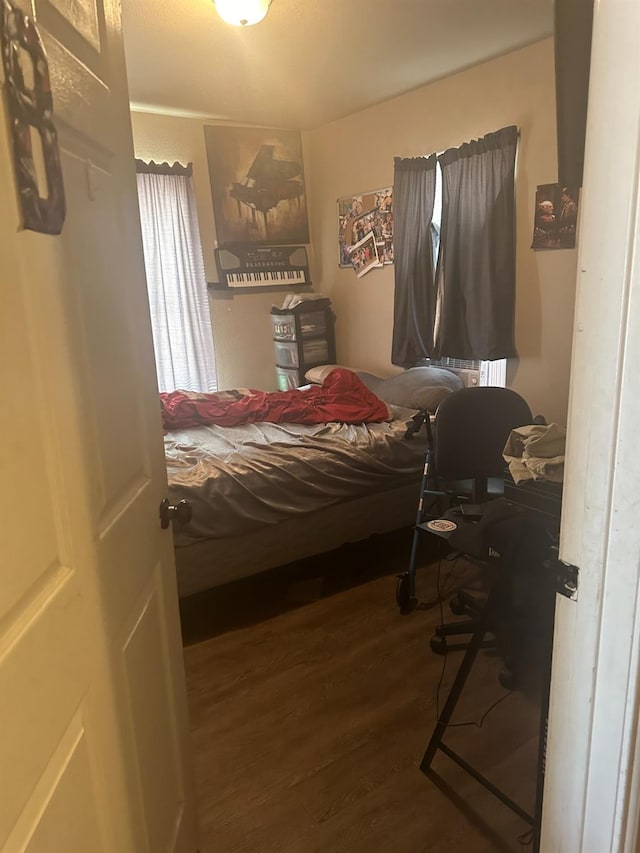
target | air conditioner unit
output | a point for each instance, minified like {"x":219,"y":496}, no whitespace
{"x":469,"y":376}
{"x":466,"y":369}
{"x":473,"y":373}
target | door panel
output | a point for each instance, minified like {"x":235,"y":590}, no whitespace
{"x":41,"y":658}
{"x":91,"y":674}
{"x":22,"y":464}
{"x":120,"y":464}
{"x":161,"y":789}
{"x":57,"y":818}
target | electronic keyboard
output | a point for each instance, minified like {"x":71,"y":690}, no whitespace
{"x":262,"y":266}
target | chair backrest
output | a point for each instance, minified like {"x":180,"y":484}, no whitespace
{"x":471,"y":428}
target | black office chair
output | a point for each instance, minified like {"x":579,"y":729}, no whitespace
{"x":463,"y":467}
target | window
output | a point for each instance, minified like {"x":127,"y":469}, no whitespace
{"x":176,"y":283}
{"x":455,"y":252}
{"x":471,"y":371}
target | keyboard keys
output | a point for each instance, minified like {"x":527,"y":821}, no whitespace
{"x":256,"y":279}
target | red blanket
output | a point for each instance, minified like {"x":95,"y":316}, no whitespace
{"x":342,"y":397}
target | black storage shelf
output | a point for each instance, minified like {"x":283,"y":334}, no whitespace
{"x":303,"y":337}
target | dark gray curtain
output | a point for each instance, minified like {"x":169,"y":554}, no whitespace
{"x":414,"y":184}
{"x":477,"y":263}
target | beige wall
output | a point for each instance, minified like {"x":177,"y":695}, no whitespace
{"x":241,"y":324}
{"x":356,"y":154}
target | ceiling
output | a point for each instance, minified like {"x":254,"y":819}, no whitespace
{"x":312,"y":61}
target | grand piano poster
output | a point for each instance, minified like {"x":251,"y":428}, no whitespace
{"x":257,"y":185}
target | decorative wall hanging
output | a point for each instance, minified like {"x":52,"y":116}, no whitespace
{"x":358,"y":215}
{"x":31,"y":108}
{"x":257,"y":185}
{"x":556,"y":217}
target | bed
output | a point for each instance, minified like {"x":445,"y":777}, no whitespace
{"x":264,"y":494}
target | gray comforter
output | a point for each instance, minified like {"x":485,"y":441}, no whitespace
{"x":242,"y":478}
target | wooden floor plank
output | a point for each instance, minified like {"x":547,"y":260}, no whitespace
{"x":309,"y":727}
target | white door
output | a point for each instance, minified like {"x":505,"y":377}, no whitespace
{"x":593,"y":773}
{"x":93,"y":729}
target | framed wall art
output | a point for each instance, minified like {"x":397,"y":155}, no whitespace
{"x":257,"y":185}
{"x":556,"y":217}
{"x":360,"y":215}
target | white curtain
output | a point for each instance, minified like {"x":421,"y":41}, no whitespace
{"x":180,"y":319}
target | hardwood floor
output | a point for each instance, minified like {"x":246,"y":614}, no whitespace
{"x":309,"y":727}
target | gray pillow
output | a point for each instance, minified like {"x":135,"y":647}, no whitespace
{"x":429,"y":398}
{"x":416,"y":388}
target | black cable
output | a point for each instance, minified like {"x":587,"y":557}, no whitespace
{"x":479,"y":723}
{"x":440,"y":594}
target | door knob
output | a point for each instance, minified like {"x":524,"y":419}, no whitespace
{"x":181,"y":512}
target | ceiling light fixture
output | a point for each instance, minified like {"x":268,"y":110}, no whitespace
{"x":242,"y":13}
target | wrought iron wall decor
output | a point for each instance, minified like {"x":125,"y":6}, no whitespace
{"x":31,"y":108}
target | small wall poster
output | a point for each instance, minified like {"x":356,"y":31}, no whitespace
{"x":556,"y":217}
{"x":360,"y":215}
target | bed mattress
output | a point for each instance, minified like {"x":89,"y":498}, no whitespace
{"x":241,"y":479}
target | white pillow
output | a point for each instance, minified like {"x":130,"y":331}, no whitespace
{"x":319,"y":373}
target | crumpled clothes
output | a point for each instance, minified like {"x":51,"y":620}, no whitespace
{"x":536,"y":452}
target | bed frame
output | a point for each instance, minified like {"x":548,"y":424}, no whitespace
{"x":218,"y":561}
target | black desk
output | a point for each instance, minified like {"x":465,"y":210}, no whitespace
{"x":543,"y":500}
{"x":540,"y":496}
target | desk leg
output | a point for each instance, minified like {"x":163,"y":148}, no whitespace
{"x":460,"y":680}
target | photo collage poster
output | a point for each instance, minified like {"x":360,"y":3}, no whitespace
{"x":365,"y":230}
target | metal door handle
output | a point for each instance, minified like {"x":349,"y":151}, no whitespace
{"x":182,"y":512}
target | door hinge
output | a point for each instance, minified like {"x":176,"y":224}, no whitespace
{"x":567,"y":579}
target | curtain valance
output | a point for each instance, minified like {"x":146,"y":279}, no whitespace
{"x":153,"y":168}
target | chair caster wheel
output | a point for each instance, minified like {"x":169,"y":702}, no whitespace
{"x":457,"y":606}
{"x":406,"y":602}
{"x":438,"y":645}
